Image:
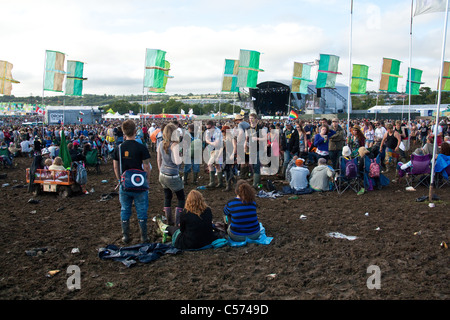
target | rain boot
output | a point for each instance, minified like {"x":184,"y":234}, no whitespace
{"x":219,"y":179}
{"x":185,"y":178}
{"x":178,"y":212}
{"x":211,"y":180}
{"x":125,"y":231}
{"x":143,"y":228}
{"x":168,"y":214}
{"x":256,"y":180}
{"x":195,"y":178}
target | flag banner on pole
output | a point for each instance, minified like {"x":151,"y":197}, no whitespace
{"x":40,"y":110}
{"x":293,"y":115}
{"x":416,"y":77}
{"x":301,"y":78}
{"x":6,"y":79}
{"x":230,"y":76}
{"x":328,"y":70}
{"x":54,"y":71}
{"x":74,"y":80}
{"x":429,"y":6}
{"x":445,"y":86}
{"x":389,"y":75}
{"x":166,"y":77}
{"x":360,"y":74}
{"x":248,"y":69}
{"x":155,"y":66}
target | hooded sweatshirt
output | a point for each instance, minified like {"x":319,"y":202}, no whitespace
{"x":320,"y":178}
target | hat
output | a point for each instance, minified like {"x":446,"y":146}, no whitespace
{"x":346,"y":152}
{"x":238,"y":117}
{"x":335,"y":120}
{"x":299,"y":162}
{"x":45,"y":151}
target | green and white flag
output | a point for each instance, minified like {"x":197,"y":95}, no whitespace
{"x":248,"y":69}
{"x":359,"y":79}
{"x":74,"y":80}
{"x":54,"y":71}
{"x":155,"y":68}
{"x":328,"y":70}
{"x":416,"y":77}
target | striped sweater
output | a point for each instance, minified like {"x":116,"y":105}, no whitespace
{"x":242,"y":217}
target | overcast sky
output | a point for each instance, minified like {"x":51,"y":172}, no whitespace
{"x":111,"y":37}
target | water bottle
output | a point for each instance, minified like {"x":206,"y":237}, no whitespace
{"x":201,"y":188}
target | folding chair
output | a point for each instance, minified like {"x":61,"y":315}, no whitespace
{"x":442,"y":168}
{"x":92,"y":160}
{"x":371,"y":182}
{"x":420,"y":171}
{"x":342,"y":181}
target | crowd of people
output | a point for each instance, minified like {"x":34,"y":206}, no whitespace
{"x":308,"y":153}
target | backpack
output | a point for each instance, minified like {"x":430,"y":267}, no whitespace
{"x":374,"y":169}
{"x":350,"y":169}
{"x":81,"y":175}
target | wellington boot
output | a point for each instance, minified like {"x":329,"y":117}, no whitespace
{"x":211,"y":180}
{"x":143,"y":228}
{"x":178,"y":212}
{"x":256,"y":180}
{"x":195,"y":178}
{"x":228,"y":186}
{"x":126,"y":231}
{"x":185,"y":178}
{"x":219,"y":180}
{"x":168,"y":215}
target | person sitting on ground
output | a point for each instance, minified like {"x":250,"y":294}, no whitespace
{"x":6,"y":154}
{"x":195,"y":230}
{"x":321,"y":176}
{"x":299,"y":178}
{"x":240,"y":214}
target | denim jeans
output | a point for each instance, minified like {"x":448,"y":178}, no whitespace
{"x":195,"y":167}
{"x":140,"y":203}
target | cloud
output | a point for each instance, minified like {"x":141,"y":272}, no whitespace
{"x":112,"y":36}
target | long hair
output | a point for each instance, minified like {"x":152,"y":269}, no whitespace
{"x":168,"y":131}
{"x":245,"y":192}
{"x":195,"y":202}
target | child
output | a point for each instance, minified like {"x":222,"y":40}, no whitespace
{"x":240,"y":214}
{"x":59,"y":172}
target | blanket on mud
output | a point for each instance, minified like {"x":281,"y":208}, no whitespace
{"x":145,"y":253}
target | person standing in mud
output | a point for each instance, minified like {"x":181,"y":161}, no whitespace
{"x":133,"y":155}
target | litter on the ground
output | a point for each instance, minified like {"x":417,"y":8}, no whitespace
{"x":339,"y":235}
{"x":303,"y":217}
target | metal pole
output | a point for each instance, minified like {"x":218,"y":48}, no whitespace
{"x":441,"y":69}
{"x":349,"y":96}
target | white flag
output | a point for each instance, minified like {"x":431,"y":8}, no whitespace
{"x":429,"y":6}
{"x":182,"y":111}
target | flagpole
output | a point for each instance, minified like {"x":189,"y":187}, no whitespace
{"x":410,"y":65}
{"x":43,"y":90}
{"x":349,"y":97}
{"x":441,"y":69}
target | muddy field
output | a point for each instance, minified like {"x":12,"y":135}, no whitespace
{"x":401,"y":237}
